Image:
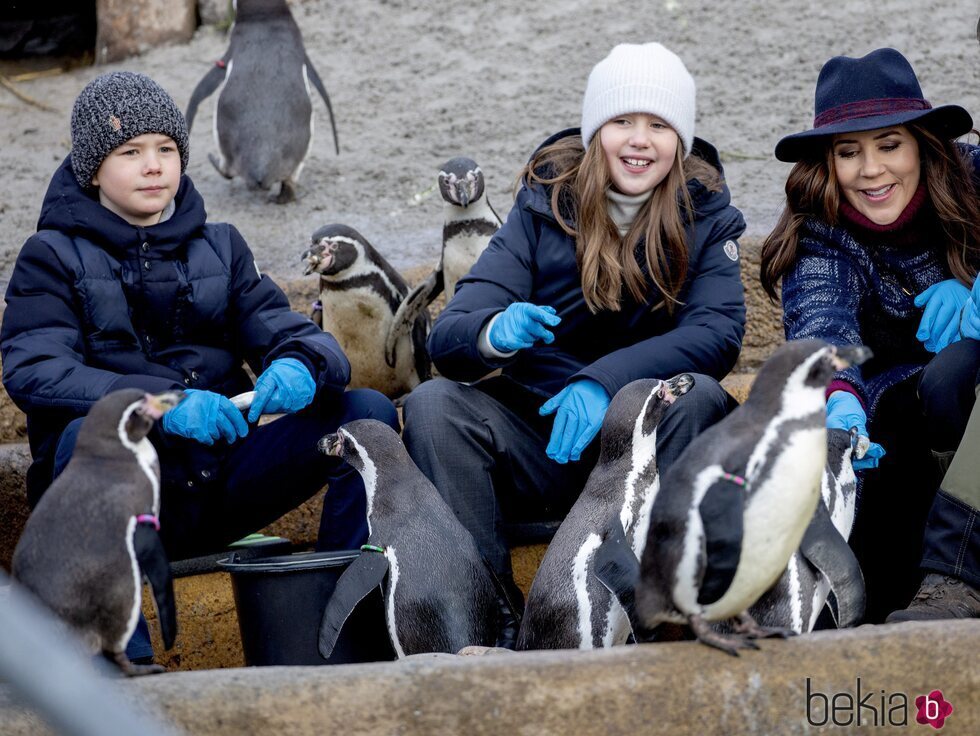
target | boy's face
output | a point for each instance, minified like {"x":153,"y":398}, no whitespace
{"x":140,"y":178}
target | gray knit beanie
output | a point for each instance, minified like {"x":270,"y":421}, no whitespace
{"x":117,"y":107}
{"x":645,"y":78}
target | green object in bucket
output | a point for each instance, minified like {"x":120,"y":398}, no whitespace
{"x":256,"y":539}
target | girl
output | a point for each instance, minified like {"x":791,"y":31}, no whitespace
{"x":618,"y":262}
{"x":878,"y":244}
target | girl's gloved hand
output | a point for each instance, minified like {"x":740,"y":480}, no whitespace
{"x":940,"y":323}
{"x":286,"y":386}
{"x":970,"y":322}
{"x":581,"y":407}
{"x":845,"y":411}
{"x":205,"y":417}
{"x":521,"y":325}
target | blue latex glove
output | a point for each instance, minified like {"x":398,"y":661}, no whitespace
{"x":940,"y":323}
{"x":206,"y":417}
{"x":284,"y":387}
{"x":521,"y":325}
{"x":581,"y":407}
{"x":970,"y":323}
{"x":845,"y":411}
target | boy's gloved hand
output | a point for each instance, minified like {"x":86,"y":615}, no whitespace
{"x":205,"y":417}
{"x":581,"y":407}
{"x":940,"y":323}
{"x":284,"y":387}
{"x":970,"y":323}
{"x":521,"y":325}
{"x":845,"y":411}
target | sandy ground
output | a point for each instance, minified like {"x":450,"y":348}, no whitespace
{"x":414,"y":82}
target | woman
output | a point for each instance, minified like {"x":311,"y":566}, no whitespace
{"x":618,"y":262}
{"x":879,"y":244}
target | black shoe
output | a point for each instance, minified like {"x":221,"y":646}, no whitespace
{"x":940,"y":597}
{"x":510,"y":604}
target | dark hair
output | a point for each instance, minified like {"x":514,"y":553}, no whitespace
{"x":578,"y":178}
{"x":812,"y":191}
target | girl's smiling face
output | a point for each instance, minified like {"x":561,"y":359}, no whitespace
{"x":878,"y":171}
{"x":639,"y":149}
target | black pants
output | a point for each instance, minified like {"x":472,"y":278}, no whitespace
{"x":915,"y":421}
{"x":483,"y":447}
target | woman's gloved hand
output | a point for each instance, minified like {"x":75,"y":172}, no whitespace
{"x":521,"y":325}
{"x":940,"y":323}
{"x":970,"y":322}
{"x":845,"y":411}
{"x":205,"y":417}
{"x":581,"y":407}
{"x":286,"y":386}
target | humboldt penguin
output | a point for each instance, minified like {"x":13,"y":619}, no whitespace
{"x":735,"y":505}
{"x":263,"y":121}
{"x":94,"y":531}
{"x":439,"y":594}
{"x":359,"y":294}
{"x":570,"y":604}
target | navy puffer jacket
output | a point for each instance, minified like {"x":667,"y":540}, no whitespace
{"x":531,"y":259}
{"x":95,"y":304}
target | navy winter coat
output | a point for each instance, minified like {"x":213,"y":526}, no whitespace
{"x":95,"y":304}
{"x":531,"y":259}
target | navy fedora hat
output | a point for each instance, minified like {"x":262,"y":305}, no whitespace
{"x":875,"y":91}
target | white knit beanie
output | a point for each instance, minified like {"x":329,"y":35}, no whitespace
{"x":644,"y":78}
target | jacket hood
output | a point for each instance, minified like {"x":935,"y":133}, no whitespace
{"x":704,"y":200}
{"x":71,"y":210}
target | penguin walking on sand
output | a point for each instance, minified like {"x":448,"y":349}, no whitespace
{"x":359,"y":295}
{"x":439,"y":594}
{"x":469,"y":223}
{"x":263,"y":121}
{"x":735,"y":505}
{"x":93,"y":534}
{"x":571,"y":604}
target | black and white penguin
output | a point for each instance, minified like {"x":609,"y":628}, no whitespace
{"x":359,"y":295}
{"x":570,"y":605}
{"x":469,"y":223}
{"x":735,"y":505}
{"x":824,"y":570}
{"x":439,"y":594}
{"x":263,"y":121}
{"x":94,"y":531}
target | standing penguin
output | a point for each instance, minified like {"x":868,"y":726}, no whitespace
{"x":439,"y":594}
{"x":570,"y":604}
{"x":263,"y":122}
{"x":95,"y":530}
{"x":359,"y":294}
{"x":735,"y":505}
{"x":469,"y":223}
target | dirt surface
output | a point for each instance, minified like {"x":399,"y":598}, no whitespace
{"x":414,"y":82}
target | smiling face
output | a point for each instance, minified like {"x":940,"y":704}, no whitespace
{"x":639,"y":149}
{"x":878,"y":171}
{"x":139,"y":179}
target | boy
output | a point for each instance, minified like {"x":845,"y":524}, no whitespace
{"x":126,"y":285}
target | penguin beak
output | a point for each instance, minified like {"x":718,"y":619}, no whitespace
{"x":463,"y":192}
{"x":331,"y":444}
{"x":312,"y":261}
{"x":678,"y":386}
{"x":156,"y":405}
{"x":844,"y":356}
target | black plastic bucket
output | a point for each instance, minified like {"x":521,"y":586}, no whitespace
{"x":280,"y":601}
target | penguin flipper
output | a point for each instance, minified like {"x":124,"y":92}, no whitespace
{"x":154,"y":565}
{"x":616,"y":567}
{"x":829,"y":552}
{"x":411,"y":308}
{"x":208,"y":84}
{"x":721,"y":511}
{"x":318,"y":83}
{"x":362,"y":576}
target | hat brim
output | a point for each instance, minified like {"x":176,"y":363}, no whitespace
{"x":946,"y":121}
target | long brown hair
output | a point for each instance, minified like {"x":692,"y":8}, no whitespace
{"x":578,"y":178}
{"x":812,"y":191}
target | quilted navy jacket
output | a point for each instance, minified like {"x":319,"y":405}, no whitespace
{"x":95,"y":304}
{"x":852,"y":293}
{"x":531,"y":259}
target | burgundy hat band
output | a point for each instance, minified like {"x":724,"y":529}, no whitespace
{"x":866,"y":108}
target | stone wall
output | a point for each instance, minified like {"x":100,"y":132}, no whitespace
{"x":125,"y":28}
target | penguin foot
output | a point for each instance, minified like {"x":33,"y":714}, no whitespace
{"x":749,"y":627}
{"x":219,"y":166}
{"x":728,"y":643}
{"x":134,"y":670}
{"x":477,"y":651}
{"x":287,"y":192}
